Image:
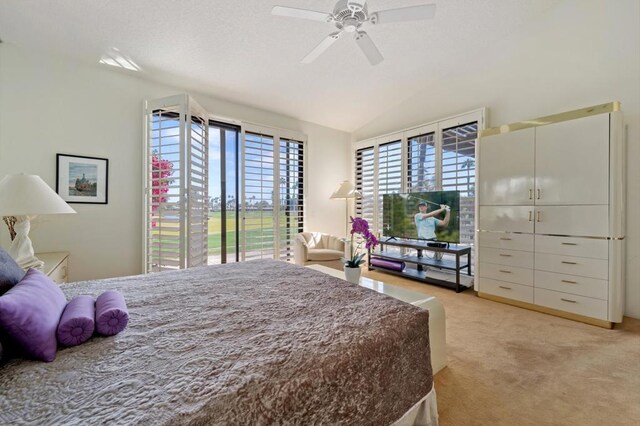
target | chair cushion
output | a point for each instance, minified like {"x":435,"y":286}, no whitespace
{"x":324,"y":254}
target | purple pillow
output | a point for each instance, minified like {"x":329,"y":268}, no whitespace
{"x":111,"y":313}
{"x":29,"y":314}
{"x":77,"y":322}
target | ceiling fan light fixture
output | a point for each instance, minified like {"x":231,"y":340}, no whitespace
{"x":348,"y":16}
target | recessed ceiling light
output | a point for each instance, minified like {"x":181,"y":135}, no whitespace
{"x":115,"y":58}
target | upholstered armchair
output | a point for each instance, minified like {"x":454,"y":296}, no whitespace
{"x":318,"y":248}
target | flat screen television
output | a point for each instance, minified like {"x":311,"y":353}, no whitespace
{"x":419,"y":215}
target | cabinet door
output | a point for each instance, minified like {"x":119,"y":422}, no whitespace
{"x":506,"y":168}
{"x":506,"y":218}
{"x":579,"y":221}
{"x":572,"y":162}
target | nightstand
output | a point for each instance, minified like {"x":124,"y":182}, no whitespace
{"x":55,"y":265}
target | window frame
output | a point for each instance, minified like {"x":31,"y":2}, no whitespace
{"x":437,"y":127}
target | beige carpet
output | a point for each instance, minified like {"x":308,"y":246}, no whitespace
{"x":511,"y":366}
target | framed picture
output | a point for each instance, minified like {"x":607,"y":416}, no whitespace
{"x":82,"y":180}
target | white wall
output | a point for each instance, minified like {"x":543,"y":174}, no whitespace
{"x":582,"y":54}
{"x":52,"y":105}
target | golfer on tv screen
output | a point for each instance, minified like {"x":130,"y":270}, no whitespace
{"x":426,"y":222}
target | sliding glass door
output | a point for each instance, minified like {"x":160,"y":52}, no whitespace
{"x":256,"y":189}
{"x":217,"y":192}
{"x":224,"y":183}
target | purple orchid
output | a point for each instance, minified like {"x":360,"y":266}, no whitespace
{"x":360,"y":227}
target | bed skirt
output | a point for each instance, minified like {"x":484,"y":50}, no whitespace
{"x":424,"y":413}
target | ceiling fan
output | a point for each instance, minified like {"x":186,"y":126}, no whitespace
{"x":348,"y":17}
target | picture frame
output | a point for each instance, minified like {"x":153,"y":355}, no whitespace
{"x":82,"y":180}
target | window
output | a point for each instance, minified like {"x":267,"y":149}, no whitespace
{"x":217,"y":192}
{"x":176,"y":184}
{"x":438,"y":156}
{"x":421,"y":164}
{"x":459,"y":173}
{"x":389,"y":171}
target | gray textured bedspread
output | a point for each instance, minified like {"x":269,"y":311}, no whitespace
{"x":260,"y":342}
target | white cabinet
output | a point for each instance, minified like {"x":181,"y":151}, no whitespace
{"x":572,"y":162}
{"x":512,"y":182}
{"x":551,"y":214}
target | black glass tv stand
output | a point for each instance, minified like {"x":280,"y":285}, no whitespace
{"x":418,"y":264}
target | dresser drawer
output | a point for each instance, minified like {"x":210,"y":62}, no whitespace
{"x":522,"y":259}
{"x":582,"y":266}
{"x":59,"y":273}
{"x":523,"y":242}
{"x":582,"y":286}
{"x":567,"y":246}
{"x":523,"y":293}
{"x":511,"y":274}
{"x":580,"y":305}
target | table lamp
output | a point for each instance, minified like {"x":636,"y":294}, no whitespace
{"x":22,"y":197}
{"x":346,"y":191}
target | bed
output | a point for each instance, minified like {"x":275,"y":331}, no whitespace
{"x":258,"y":342}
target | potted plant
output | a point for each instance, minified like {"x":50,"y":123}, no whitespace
{"x":359,"y":226}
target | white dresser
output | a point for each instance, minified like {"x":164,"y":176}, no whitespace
{"x":551,"y":214}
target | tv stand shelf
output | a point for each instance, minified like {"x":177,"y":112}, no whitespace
{"x":420,"y":261}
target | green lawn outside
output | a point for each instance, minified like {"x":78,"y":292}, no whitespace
{"x":258,"y":225}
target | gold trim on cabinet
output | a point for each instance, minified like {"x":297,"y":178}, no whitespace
{"x":548,"y":311}
{"x":555,"y":118}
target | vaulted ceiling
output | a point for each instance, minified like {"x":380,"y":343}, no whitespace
{"x":236,"y":50}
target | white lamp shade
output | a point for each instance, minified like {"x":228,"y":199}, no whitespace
{"x":345,"y":190}
{"x":29,"y":195}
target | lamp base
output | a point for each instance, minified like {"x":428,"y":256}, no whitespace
{"x":21,"y":249}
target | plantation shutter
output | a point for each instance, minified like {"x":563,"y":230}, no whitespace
{"x":389,"y":173}
{"x":291,"y":191}
{"x":459,"y":172}
{"x":258,"y":194}
{"x":365,"y":179}
{"x":421,"y":163}
{"x":175,"y":176}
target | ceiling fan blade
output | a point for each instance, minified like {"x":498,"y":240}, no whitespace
{"x":293,"y":12}
{"x":368,"y":48}
{"x":319,"y":49}
{"x":411,"y":13}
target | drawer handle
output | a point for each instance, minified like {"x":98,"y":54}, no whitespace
{"x":505,"y":239}
{"x":539,"y":191}
{"x":505,"y":271}
{"x":569,"y":244}
{"x":505,"y":255}
{"x":569,"y":263}
{"x":569,"y":282}
{"x":506,"y":288}
{"x":538,"y":216}
{"x":530,"y":213}
{"x":568,"y":300}
{"x":530,"y":194}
